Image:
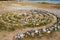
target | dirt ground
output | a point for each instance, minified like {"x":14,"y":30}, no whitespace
{"x":13,"y":6}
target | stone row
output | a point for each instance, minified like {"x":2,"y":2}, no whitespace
{"x":14,"y":18}
{"x":39,"y":32}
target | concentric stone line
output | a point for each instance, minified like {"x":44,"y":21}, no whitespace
{"x":32,"y":17}
{"x":33,"y":31}
{"x":38,"y":32}
{"x":35,"y":18}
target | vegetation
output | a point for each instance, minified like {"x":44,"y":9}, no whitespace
{"x":11,"y":21}
{"x":46,"y":3}
{"x":58,"y":19}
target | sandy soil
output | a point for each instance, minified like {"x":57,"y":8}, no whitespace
{"x":16,"y":7}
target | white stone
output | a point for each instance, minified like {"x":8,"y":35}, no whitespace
{"x":35,"y":12}
{"x":32,"y":34}
{"x":25,"y":22}
{"x":25,"y":13}
{"x":44,"y":29}
{"x":28,"y":33}
{"x":48,"y":31}
{"x":22,"y":35}
{"x":37,"y":24}
{"x":58,"y":26}
{"x":36,"y":31}
{"x":18,"y":37}
{"x":55,"y":25}
{"x":55,"y":29}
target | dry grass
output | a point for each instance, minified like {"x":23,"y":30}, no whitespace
{"x":32,"y":4}
{"x":56,"y":6}
{"x":4,"y":4}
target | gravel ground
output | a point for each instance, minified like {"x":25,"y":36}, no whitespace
{"x":15,"y":8}
{"x":55,"y":11}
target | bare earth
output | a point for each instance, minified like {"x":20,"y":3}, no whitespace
{"x":16,"y":7}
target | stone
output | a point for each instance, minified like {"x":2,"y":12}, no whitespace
{"x":36,"y":31}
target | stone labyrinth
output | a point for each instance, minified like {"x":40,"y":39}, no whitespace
{"x":26,"y":18}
